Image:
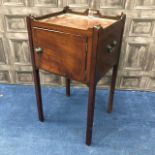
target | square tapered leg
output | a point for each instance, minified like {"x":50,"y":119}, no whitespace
{"x":112,"y":88}
{"x":67,"y":86}
{"x":38,"y":94}
{"x":90,"y":113}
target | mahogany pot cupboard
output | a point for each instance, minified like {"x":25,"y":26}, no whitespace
{"x":78,"y":47}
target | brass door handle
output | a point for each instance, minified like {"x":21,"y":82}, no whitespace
{"x":114,"y":43}
{"x":111,"y":47}
{"x":38,"y":50}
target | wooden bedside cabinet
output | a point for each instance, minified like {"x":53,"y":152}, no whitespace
{"x":79,"y":47}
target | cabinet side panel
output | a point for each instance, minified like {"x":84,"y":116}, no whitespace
{"x":108,"y":48}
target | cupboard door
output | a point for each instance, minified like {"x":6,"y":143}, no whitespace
{"x":60,"y":53}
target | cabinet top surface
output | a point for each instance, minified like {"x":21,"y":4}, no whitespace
{"x":78,"y":21}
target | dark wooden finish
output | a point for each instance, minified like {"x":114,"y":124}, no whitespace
{"x":84,"y":23}
{"x":112,"y":88}
{"x":92,"y":88}
{"x":35,"y":72}
{"x":67,"y":87}
{"x":53,"y":57}
{"x":115,"y":70}
{"x":78,"y":47}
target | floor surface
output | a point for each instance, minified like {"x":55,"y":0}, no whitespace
{"x":129,"y":130}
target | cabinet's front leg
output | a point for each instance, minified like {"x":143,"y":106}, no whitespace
{"x":38,"y":94}
{"x":67,"y":87}
{"x":112,"y":88}
{"x":90,"y":113}
{"x":35,"y":70}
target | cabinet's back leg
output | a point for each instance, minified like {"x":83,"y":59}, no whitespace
{"x":112,"y":88}
{"x":67,"y":87}
{"x":38,"y":94}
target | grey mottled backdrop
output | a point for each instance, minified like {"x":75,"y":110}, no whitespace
{"x":137,"y":65}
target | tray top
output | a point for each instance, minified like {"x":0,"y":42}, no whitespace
{"x":78,"y":21}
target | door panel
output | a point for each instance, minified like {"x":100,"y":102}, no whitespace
{"x":62,"y":53}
